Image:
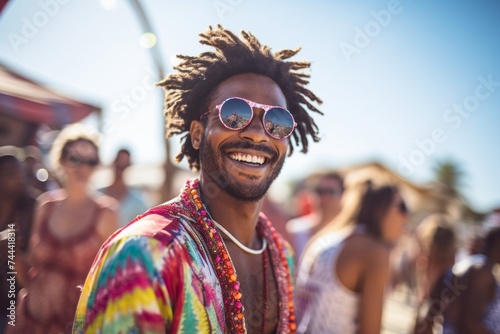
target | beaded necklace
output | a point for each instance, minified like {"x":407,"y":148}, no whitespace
{"x":264,"y":274}
{"x":192,"y":206}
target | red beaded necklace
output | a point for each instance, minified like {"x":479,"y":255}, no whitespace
{"x":192,"y":206}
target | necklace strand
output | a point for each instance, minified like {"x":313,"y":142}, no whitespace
{"x":264,"y":309}
{"x":237,"y":242}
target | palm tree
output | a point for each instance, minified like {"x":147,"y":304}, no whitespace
{"x":450,"y":176}
{"x":448,"y":185}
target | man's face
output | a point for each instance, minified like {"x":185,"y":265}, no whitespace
{"x":122,"y":162}
{"x":329,"y":192}
{"x":243,"y":163}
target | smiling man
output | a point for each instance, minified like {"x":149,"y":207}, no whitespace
{"x":209,"y":261}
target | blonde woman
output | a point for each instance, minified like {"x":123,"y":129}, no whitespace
{"x":345,"y":268}
{"x":70,"y":226}
{"x":438,"y":246}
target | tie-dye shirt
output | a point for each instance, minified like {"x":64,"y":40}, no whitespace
{"x":154,"y":276}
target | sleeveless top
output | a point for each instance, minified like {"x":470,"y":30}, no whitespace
{"x":60,"y":266}
{"x":73,"y":255}
{"x":492,"y":316}
{"x":324,"y":304}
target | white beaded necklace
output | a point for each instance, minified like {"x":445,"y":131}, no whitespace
{"x":237,"y":242}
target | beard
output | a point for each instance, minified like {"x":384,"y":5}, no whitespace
{"x":212,"y":166}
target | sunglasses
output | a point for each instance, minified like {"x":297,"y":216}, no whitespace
{"x":402,"y":207}
{"x":236,"y":113}
{"x":75,"y":161}
{"x":327,"y":191}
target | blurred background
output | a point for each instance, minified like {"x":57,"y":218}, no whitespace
{"x":410,"y":89}
{"x":410,"y":84}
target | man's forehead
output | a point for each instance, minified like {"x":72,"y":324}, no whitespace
{"x":251,"y":86}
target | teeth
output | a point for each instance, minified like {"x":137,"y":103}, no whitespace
{"x":247,"y":158}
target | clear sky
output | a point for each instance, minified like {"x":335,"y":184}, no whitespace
{"x":407,"y":83}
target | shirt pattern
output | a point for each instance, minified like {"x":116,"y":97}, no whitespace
{"x":154,"y":276}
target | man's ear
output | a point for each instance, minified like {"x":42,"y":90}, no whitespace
{"x":196,"y":133}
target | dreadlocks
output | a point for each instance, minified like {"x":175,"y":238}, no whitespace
{"x":188,"y":90}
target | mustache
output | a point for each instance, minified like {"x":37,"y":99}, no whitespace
{"x":251,"y":146}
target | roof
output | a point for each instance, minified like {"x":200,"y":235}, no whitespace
{"x":23,"y":99}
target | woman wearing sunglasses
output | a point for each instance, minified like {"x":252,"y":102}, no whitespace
{"x":70,"y":226}
{"x":345,"y":268}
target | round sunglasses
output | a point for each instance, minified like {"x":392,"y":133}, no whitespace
{"x":324,"y":191}
{"x":236,"y":113}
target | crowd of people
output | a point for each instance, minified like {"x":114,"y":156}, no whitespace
{"x":59,"y":231}
{"x":221,"y":257}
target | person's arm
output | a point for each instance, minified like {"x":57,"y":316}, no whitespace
{"x":374,"y":280}
{"x":125,"y":291}
{"x":109,"y":219}
{"x":108,"y":223}
{"x":424,"y":323}
{"x":24,"y":261}
{"x":477,"y":297}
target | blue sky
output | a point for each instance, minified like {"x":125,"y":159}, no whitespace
{"x":407,"y":83}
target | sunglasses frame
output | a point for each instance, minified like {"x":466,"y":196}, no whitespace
{"x":403,"y":208}
{"x":253,"y":105}
{"x":327,"y":191}
{"x":76,"y":161}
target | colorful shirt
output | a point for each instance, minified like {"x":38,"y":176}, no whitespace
{"x":156,"y":276}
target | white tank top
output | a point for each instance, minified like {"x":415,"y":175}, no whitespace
{"x":324,"y":304}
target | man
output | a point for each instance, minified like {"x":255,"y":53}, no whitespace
{"x":209,"y":261}
{"x":327,"y":188}
{"x":130,"y":199}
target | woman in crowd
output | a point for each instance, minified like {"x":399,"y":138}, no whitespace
{"x":438,"y":246}
{"x":466,"y":299}
{"x":17,"y":206}
{"x":70,"y":225}
{"x":345,"y":268}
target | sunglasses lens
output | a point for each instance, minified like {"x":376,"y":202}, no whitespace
{"x":327,"y":191}
{"x":278,"y":123}
{"x":235,"y":114}
{"x":403,"y":208}
{"x":74,"y":161}
{"x":92,"y":163}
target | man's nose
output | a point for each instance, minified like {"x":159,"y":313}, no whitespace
{"x":255,"y":130}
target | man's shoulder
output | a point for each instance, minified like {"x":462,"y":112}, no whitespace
{"x":150,"y":225}
{"x":158,"y":223}
{"x":154,"y":237}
